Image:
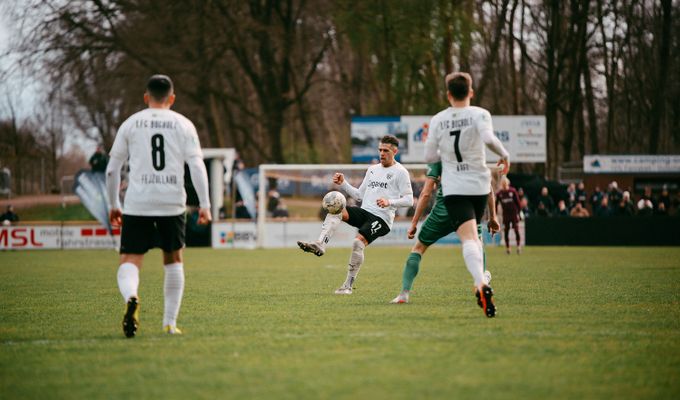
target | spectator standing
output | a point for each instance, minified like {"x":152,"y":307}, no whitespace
{"x":661,"y":209}
{"x":579,"y":211}
{"x":571,"y":196}
{"x":525,"y":211}
{"x":603,"y":209}
{"x":581,"y":196}
{"x":645,"y":207}
{"x":9,"y":217}
{"x":665,"y":199}
{"x":614,"y":193}
{"x":546,"y":200}
{"x":99,"y":160}
{"x":562,"y":210}
{"x":625,"y":207}
{"x":596,"y":198}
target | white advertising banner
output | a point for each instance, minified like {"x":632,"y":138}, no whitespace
{"x":605,"y":164}
{"x":523,"y":136}
{"x":57,"y":237}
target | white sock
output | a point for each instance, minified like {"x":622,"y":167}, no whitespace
{"x":330,"y":224}
{"x":355,"y":261}
{"x":173,"y":289}
{"x":128,"y":280}
{"x":472,"y":254}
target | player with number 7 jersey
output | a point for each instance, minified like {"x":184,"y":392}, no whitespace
{"x":457,"y":135}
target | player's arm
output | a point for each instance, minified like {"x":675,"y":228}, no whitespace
{"x":432,"y":143}
{"x":199,"y":177}
{"x":112,"y":185}
{"x":193,"y":156}
{"x":486,"y":131}
{"x":406,"y":194}
{"x":493,"y":224}
{"x":339,"y":179}
{"x":423,"y":201}
{"x":119,"y":154}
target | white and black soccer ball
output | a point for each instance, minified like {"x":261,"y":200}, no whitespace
{"x":333,"y":202}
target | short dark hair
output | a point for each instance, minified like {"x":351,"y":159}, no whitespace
{"x":458,"y":84}
{"x":389,"y":139}
{"x":159,"y":87}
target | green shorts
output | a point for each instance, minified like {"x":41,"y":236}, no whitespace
{"x":438,"y":224}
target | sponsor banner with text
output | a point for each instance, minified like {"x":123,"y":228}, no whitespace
{"x":37,"y":237}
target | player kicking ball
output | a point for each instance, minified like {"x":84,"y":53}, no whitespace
{"x":436,"y":226}
{"x":156,"y":142}
{"x":385,"y":187}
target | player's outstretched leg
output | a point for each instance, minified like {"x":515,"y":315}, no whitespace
{"x":330,"y":224}
{"x":311,"y":247}
{"x":173,"y":289}
{"x":355,"y":261}
{"x":410,"y":272}
{"x":128,"y":283}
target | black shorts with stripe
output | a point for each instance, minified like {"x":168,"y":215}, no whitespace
{"x":462,"y":208}
{"x":370,"y":226}
{"x":139,"y":233}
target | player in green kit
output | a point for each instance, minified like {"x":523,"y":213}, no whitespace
{"x":436,"y":226}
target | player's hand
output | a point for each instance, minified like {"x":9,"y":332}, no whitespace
{"x":382,"y":203}
{"x":506,"y":165}
{"x":204,"y":216}
{"x":338,"y":178}
{"x":116,"y":217}
{"x":412,"y":231}
{"x":494,"y":226}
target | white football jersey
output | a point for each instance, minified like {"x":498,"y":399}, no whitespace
{"x":157,"y":143}
{"x":457,"y":132}
{"x":390,"y":183}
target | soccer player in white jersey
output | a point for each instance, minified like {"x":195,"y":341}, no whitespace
{"x":385,"y":187}
{"x":156,"y":142}
{"x":457,"y":136}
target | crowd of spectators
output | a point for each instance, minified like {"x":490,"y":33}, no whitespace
{"x":577,"y":202}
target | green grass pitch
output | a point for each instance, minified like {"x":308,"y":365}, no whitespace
{"x":572,"y":323}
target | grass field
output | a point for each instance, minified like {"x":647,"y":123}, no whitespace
{"x":572,"y":323}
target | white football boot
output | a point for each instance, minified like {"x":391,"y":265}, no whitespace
{"x":401,"y":299}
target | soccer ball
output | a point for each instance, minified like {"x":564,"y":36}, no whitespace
{"x":333,"y":202}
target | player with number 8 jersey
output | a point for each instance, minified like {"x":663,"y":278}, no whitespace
{"x":156,"y":142}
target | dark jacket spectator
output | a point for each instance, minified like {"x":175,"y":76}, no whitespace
{"x":596,"y":198}
{"x":665,"y":199}
{"x":546,"y":200}
{"x":562,"y":210}
{"x":581,"y":195}
{"x":9,"y":217}
{"x":99,"y":160}
{"x":645,"y":207}
{"x":525,"y":211}
{"x":603,"y":209}
{"x":661,"y":209}
{"x":571,"y":196}
{"x":614,"y":194}
{"x":624,"y":207}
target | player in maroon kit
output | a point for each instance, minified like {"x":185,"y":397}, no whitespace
{"x":509,"y":201}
